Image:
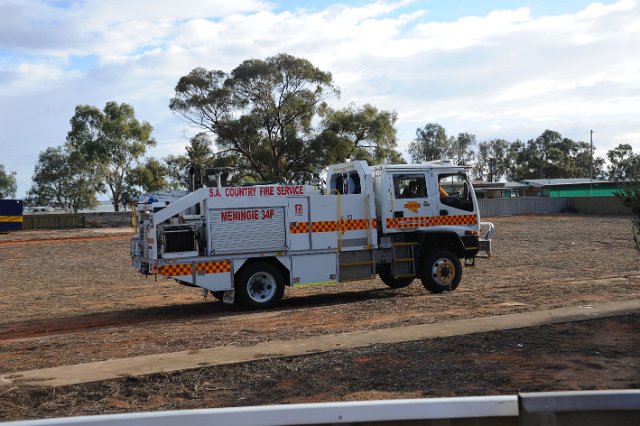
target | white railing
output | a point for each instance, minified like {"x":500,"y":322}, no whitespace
{"x":612,"y":408}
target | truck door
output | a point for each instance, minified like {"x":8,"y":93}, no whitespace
{"x":456,"y":201}
{"x":411,"y":200}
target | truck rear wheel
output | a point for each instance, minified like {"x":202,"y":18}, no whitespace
{"x":259,"y":285}
{"x":441,"y":271}
{"x":394,"y":282}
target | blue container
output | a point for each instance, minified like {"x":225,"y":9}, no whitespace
{"x":10,"y":215}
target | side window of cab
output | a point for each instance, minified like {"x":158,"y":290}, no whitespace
{"x":345,"y":183}
{"x":454,"y":191}
{"x":409,"y":185}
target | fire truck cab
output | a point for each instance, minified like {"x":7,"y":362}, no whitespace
{"x":246,"y":244}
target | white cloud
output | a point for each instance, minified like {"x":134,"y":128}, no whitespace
{"x":470,"y":31}
{"x":509,"y":73}
{"x":36,"y":76}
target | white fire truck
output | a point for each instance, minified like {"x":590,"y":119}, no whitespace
{"x":245,"y":244}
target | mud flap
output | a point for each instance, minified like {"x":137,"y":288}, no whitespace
{"x":229,"y":297}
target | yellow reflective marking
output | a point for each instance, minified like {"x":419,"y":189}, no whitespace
{"x":11,"y":219}
{"x":314,"y":283}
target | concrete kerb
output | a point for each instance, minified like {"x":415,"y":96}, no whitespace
{"x":184,"y":360}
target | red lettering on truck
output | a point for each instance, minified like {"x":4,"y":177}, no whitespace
{"x":234,"y":215}
{"x":240,"y":191}
{"x":290,"y":190}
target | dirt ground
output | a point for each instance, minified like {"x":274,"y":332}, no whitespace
{"x":69,"y":297}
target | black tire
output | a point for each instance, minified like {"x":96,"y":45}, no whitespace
{"x":441,"y":271}
{"x":393,"y":282}
{"x":259,"y":285}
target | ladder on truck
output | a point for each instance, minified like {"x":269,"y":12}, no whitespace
{"x":358,"y":264}
{"x":404,"y":262}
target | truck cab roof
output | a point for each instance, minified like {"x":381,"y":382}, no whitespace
{"x":440,"y":164}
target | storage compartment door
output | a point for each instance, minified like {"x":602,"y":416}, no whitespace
{"x":248,"y":230}
{"x":299,"y":224}
{"x":314,"y":269}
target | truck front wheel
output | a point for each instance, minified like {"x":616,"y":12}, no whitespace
{"x":259,"y":286}
{"x":394,"y":282}
{"x":441,"y":271}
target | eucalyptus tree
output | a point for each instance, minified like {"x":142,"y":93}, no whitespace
{"x":492,"y":160}
{"x":8,"y":186}
{"x":271,"y":119}
{"x":358,"y":133}
{"x":623,"y":163}
{"x":192,"y":169}
{"x":431,"y":143}
{"x":63,"y":180}
{"x":112,"y":141}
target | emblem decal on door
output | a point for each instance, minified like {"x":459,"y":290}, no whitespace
{"x":412,"y":205}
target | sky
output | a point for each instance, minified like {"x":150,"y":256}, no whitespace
{"x":494,"y":68}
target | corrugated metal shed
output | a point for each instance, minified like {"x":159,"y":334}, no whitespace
{"x":579,"y":187}
{"x":501,"y":189}
{"x":521,"y":205}
{"x":575,"y":187}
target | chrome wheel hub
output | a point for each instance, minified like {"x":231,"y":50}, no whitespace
{"x":443,"y":271}
{"x":261,"y":287}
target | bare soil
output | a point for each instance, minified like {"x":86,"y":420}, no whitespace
{"x":69,"y":297}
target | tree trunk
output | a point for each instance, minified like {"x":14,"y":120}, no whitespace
{"x":116,"y":202}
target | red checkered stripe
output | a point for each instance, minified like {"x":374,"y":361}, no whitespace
{"x":425,"y":221}
{"x":181,"y":269}
{"x":174,"y":270}
{"x":299,"y":227}
{"x":330,"y":226}
{"x":214,"y":267}
{"x":355,"y":224}
{"x":324,"y":226}
{"x":466,"y":219}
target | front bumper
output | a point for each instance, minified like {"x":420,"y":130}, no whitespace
{"x":484,"y":244}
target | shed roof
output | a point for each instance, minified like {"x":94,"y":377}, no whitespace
{"x":561,"y":182}
{"x":500,"y":185}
